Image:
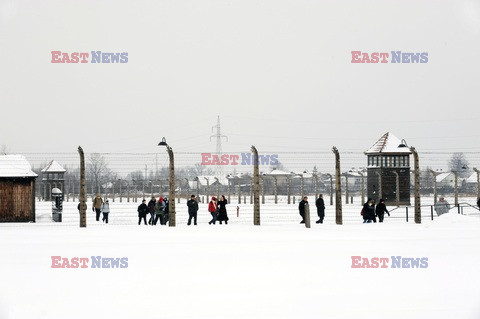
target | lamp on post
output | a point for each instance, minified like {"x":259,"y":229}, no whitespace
{"x":418,"y":216}
{"x":171,"y":208}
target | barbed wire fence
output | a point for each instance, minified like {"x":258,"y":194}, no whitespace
{"x":285,"y":177}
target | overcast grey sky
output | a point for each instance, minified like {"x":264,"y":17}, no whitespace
{"x":277,"y":72}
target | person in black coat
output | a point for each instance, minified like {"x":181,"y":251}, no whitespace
{"x":151,"y":210}
{"x":222,"y":210}
{"x":301,"y":208}
{"x":380,"y":210}
{"x":142,"y":212}
{"x":478,"y":202}
{"x":320,"y":209}
{"x":192,"y":210}
{"x":369,"y":211}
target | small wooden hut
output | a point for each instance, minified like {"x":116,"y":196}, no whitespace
{"x":17,"y":189}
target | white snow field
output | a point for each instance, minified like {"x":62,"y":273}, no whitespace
{"x":277,"y":270}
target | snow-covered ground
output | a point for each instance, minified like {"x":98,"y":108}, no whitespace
{"x":125,"y":213}
{"x":277,"y":270}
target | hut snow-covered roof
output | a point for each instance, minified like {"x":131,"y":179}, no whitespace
{"x":15,"y":166}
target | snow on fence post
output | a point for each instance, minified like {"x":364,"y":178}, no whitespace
{"x":83,"y":190}
{"x":338,"y":190}
{"x":418,"y":215}
{"x":307,"y":216}
{"x":256,"y":193}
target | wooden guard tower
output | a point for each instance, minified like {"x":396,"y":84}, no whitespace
{"x":388,"y":171}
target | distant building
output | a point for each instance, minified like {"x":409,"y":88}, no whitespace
{"x":471,"y":183}
{"x":17,"y":189}
{"x":354,"y":179}
{"x":446,"y":180}
{"x":386,"y":158}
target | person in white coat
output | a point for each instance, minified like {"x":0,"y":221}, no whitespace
{"x":105,"y":210}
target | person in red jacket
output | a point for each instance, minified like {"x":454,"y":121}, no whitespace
{"x":213,"y":209}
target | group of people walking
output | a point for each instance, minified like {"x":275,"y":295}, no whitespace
{"x":100,"y":207}
{"x":218,"y":210}
{"x":157,"y":209}
{"x":370,"y":211}
{"x":319,"y":203}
